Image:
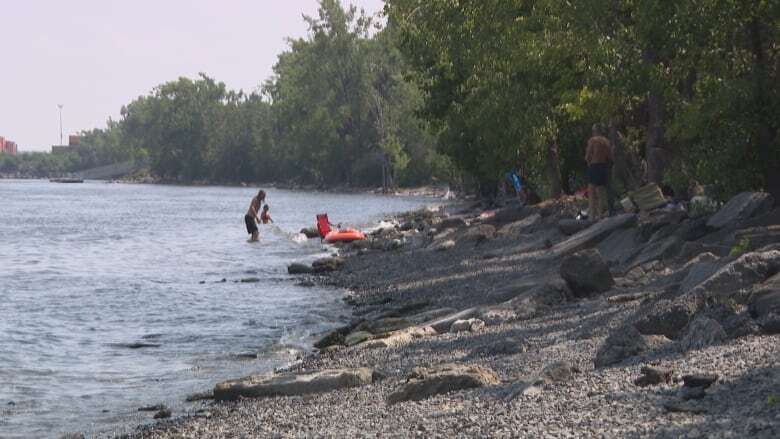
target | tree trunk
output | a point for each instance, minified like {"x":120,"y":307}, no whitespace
{"x":554,"y":169}
{"x":655,"y":156}
{"x":765,"y":132}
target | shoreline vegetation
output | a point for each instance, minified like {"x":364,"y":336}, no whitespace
{"x":525,"y":322}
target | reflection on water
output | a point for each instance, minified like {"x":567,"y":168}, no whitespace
{"x":116,"y":296}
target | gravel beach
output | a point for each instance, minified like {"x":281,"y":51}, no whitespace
{"x":504,"y":324}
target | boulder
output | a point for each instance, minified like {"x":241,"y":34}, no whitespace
{"x":429,"y":315}
{"x":586,"y":273}
{"x":467,"y":325}
{"x":324,"y":265}
{"x":652,"y":376}
{"x":299,"y":268}
{"x":698,"y":270}
{"x":700,"y":333}
{"x":310,"y":232}
{"x":667,"y":317}
{"x":622,"y":343}
{"x":741,"y":207}
{"x":735,"y":280}
{"x":356,"y":337}
{"x":593,"y":235}
{"x":423,"y":383}
{"x":289,"y":384}
{"x":620,"y":246}
{"x":765,"y":305}
{"x":658,"y":250}
{"x":572,"y":226}
{"x":335,"y":337}
{"x":163,"y":413}
{"x":517,"y":228}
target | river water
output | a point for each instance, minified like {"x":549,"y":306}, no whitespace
{"x":87,"y":270}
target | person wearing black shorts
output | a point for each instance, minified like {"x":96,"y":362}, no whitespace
{"x":251,"y":219}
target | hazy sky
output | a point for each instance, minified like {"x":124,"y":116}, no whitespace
{"x":93,"y":56}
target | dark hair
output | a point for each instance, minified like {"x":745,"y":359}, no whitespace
{"x":261,"y":194}
{"x":265,"y":207}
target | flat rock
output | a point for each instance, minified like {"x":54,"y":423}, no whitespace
{"x":765,"y":305}
{"x":586,"y":273}
{"x":423,"y":383}
{"x":702,"y":332}
{"x":298,"y":268}
{"x":667,"y":317}
{"x":623,"y":343}
{"x":652,"y":376}
{"x":741,"y":207}
{"x":479,"y":233}
{"x":400,"y":338}
{"x":288,"y":384}
{"x":698,"y":270}
{"x":452,"y":222}
{"x":427,"y":316}
{"x":444,"y":245}
{"x":699,"y":380}
{"x":593,"y":235}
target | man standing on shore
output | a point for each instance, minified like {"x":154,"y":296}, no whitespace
{"x":251,"y":219}
{"x":598,"y":156}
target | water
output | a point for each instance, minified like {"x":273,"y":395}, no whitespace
{"x":87,"y":268}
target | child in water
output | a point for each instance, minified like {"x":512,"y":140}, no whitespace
{"x":265,"y":217}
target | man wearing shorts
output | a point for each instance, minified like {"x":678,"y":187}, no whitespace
{"x":251,"y":219}
{"x":598,"y":156}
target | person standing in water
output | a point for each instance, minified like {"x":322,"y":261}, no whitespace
{"x":251,"y":219}
{"x":265,"y":217}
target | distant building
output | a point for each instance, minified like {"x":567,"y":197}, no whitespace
{"x":7,"y":146}
{"x":73,"y":142}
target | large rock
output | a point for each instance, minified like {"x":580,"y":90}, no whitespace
{"x":765,"y":305}
{"x":288,"y":384}
{"x":335,"y":337}
{"x":427,"y":316}
{"x":356,"y":337}
{"x":558,"y":371}
{"x":444,"y":245}
{"x":658,"y":250}
{"x":735,"y":280}
{"x":667,"y":317}
{"x":298,"y":268}
{"x":423,"y":383}
{"x":324,"y":265}
{"x":623,"y":343}
{"x":757,"y":237}
{"x":593,"y":235}
{"x":586,"y":273}
{"x":698,"y":270}
{"x":741,"y":207}
{"x":572,"y":226}
{"x":517,"y":228}
{"x":702,"y":332}
{"x":652,"y":376}
{"x":620,"y":246}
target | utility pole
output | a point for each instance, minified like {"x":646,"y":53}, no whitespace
{"x":60,"y":107}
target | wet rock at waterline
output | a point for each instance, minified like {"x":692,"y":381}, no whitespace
{"x":289,"y":384}
{"x":423,"y":383}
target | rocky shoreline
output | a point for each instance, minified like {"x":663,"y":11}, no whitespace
{"x":522,"y":322}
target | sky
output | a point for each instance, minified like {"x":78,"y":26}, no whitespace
{"x":93,"y":56}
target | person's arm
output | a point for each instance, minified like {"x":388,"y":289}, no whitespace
{"x":589,"y":152}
